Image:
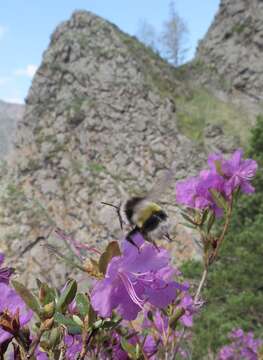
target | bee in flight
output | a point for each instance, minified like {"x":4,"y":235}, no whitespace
{"x":144,"y":215}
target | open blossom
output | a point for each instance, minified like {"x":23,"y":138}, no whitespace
{"x":195,"y":192}
{"x":239,"y":172}
{"x":133,"y":279}
{"x":223,"y":176}
{"x":236,"y":171}
{"x":10,"y":301}
{"x":244,"y":346}
{"x":5,"y":272}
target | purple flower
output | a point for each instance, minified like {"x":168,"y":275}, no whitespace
{"x":236,"y":171}
{"x":214,"y":162}
{"x":223,"y":176}
{"x":239,"y":173}
{"x":186,"y":191}
{"x":5,"y":272}
{"x":117,"y":352}
{"x":195,"y":192}
{"x":150,"y":347}
{"x":40,"y":355}
{"x":243,"y":346}
{"x":74,"y":346}
{"x":210,"y":181}
{"x":12,"y":302}
{"x":133,"y":279}
{"x":158,"y":324}
{"x":187,"y":304}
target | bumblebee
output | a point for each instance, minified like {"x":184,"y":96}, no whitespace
{"x":147,"y":218}
{"x":144,"y":215}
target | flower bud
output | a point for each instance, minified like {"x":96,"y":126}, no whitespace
{"x":42,"y":294}
{"x":47,"y":324}
{"x":49,"y":310}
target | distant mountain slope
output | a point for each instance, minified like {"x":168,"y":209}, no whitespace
{"x":230,"y":55}
{"x":10,"y":114}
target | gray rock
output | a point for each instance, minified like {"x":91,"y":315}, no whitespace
{"x":98,"y":126}
{"x":231,"y":52}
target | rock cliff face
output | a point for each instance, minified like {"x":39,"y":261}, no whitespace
{"x":232,"y":49}
{"x":100,"y":123}
{"x":10,"y":114}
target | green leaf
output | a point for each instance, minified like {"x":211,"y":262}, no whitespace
{"x":210,"y":221}
{"x":111,"y":251}
{"x":204,"y":216}
{"x":71,"y":325}
{"x":137,"y":349}
{"x":108,"y":324}
{"x":46,"y":294}
{"x":188,"y":218}
{"x":67,"y":296}
{"x":188,"y":225}
{"x":92,"y":316}
{"x":54,"y":337}
{"x":82,"y":304}
{"x":174,"y":319}
{"x":129,"y":348}
{"x":30,"y":300}
{"x":39,"y":283}
{"x":77,"y":320}
{"x":97,"y":324}
{"x":219,"y":200}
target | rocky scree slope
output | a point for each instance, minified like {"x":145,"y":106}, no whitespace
{"x":229,"y":57}
{"x":100,"y":123}
{"x":10,"y":114}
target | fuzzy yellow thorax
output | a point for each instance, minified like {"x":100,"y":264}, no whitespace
{"x":146,"y":212}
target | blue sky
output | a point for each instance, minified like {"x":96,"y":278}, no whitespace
{"x":26,"y":25}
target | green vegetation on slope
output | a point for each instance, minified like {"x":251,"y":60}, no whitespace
{"x":200,"y":108}
{"x":234,"y":295}
{"x":196,"y":107}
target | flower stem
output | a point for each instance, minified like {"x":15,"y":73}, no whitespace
{"x":35,"y":344}
{"x":139,"y":342}
{"x":200,"y":286}
{"x":223,"y":233}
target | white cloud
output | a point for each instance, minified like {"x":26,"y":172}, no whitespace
{"x":28,"y":71}
{"x":14,"y":100}
{"x":3,"y":30}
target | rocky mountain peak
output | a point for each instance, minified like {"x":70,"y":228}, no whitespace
{"x":232,"y":49}
{"x":100,"y":124}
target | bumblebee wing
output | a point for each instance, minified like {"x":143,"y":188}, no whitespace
{"x":161,"y":185}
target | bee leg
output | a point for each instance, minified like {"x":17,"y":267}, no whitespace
{"x":167,"y":236}
{"x":151,"y":241}
{"x":155,"y":245}
{"x":130,"y":239}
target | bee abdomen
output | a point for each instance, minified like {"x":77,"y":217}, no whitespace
{"x":154,"y":220}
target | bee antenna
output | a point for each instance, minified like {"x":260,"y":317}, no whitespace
{"x":118,"y":210}
{"x":115,"y":206}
